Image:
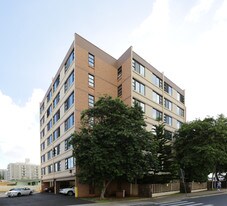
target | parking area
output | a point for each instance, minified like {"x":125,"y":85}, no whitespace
{"x":44,"y":199}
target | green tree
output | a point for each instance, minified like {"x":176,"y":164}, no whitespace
{"x":201,"y":147}
{"x":167,"y":167}
{"x":220,"y":162}
{"x":113,"y":144}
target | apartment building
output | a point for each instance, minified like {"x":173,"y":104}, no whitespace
{"x":23,"y":171}
{"x":86,"y":73}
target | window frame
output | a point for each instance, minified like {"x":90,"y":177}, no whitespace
{"x":91,"y":60}
{"x":91,"y":80}
{"x":69,"y":122}
{"x":119,"y":72}
{"x":138,"y":86}
{"x":56,"y":83}
{"x":138,"y":67}
{"x":69,"y":61}
{"x":141,"y":104}
{"x":91,"y":100}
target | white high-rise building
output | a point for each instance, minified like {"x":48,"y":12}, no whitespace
{"x":23,"y":171}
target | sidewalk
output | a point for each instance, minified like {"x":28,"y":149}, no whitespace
{"x":159,"y":198}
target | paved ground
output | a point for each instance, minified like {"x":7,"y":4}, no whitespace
{"x":160,"y":199}
{"x":41,"y":199}
{"x":49,"y":199}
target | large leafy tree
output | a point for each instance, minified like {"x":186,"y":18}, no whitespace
{"x":113,"y":144}
{"x":201,"y":147}
{"x":220,"y":164}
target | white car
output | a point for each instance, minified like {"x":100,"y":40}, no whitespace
{"x":17,"y":192}
{"x":67,"y":191}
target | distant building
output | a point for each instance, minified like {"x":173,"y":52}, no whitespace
{"x":3,"y":174}
{"x":23,"y":171}
{"x":85,"y":74}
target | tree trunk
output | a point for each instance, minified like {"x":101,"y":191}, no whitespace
{"x":104,"y":186}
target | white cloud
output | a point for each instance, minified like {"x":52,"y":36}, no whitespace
{"x":200,"y":9}
{"x":19,"y":137}
{"x":192,"y":57}
{"x":156,"y":23}
{"x":150,"y":38}
{"x":221,"y":14}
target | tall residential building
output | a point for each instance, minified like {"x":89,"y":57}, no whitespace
{"x":85,"y":74}
{"x":23,"y":171}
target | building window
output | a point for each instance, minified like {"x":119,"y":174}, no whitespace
{"x":42,"y":120}
{"x":91,"y":80}
{"x":168,"y":119}
{"x":42,"y":133}
{"x":91,"y":100}
{"x":49,"y":154}
{"x":57,"y":166}
{"x":43,"y":158}
{"x":69,"y":61}
{"x":180,"y":111}
{"x":43,"y":171}
{"x":56,"y":150}
{"x":49,"y":125}
{"x":157,"y":115}
{"x":69,"y":122}
{"x":49,"y":110}
{"x":138,"y":87}
{"x":119,"y":90}
{"x":56,"y":100}
{"x":168,"y":104}
{"x":139,"y":68}
{"x":168,"y":88}
{"x":49,"y":95}
{"x":141,"y":104}
{"x":49,"y":140}
{"x":91,"y":60}
{"x":56,"y":116}
{"x":50,"y":168}
{"x":56,"y":83}
{"x":180,"y":97}
{"x":69,"y":102}
{"x":156,"y":81}
{"x":69,"y":81}
{"x":69,"y":163}
{"x":157,"y":98}
{"x":119,"y":73}
{"x":168,"y":134}
{"x":179,"y":124}
{"x":56,"y":133}
{"x":68,"y":145}
{"x":42,"y":146}
{"x":41,"y":108}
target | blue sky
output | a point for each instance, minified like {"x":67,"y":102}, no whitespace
{"x":184,"y":39}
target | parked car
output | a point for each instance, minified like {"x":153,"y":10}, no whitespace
{"x":17,"y":192}
{"x":67,"y":191}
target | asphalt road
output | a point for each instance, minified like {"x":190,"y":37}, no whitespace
{"x":41,"y":199}
{"x":214,"y":200}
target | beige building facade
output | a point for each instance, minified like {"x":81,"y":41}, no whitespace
{"x":86,"y":74}
{"x":23,"y":171}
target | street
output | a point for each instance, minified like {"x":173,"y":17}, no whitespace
{"x":215,"y":200}
{"x":44,"y":199}
{"x":50,"y":199}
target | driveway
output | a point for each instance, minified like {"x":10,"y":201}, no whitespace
{"x":38,"y":199}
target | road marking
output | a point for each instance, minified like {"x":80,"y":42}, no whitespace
{"x":184,"y":203}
